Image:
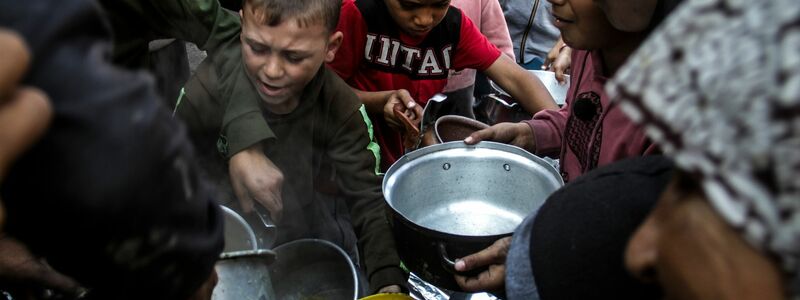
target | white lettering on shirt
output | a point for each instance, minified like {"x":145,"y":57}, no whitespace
{"x":391,"y":52}
{"x":446,"y":54}
{"x":429,"y":64}
{"x":411,"y":54}
{"x":368,"y":49}
{"x":385,"y":44}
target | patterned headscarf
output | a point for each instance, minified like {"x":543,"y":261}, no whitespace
{"x":718,"y":87}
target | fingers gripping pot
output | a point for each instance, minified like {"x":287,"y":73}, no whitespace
{"x":450,"y":200}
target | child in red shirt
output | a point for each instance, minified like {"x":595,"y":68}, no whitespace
{"x":408,"y":59}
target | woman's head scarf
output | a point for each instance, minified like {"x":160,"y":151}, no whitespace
{"x":717,"y":85}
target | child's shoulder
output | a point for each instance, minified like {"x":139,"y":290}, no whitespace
{"x":337,"y":92}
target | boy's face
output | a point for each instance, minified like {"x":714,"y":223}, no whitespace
{"x":583,"y":24}
{"x":417,"y":17}
{"x":281,"y":60}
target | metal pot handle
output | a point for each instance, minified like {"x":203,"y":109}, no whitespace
{"x":450,"y":265}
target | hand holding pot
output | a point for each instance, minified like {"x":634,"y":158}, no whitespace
{"x":390,"y":289}
{"x":493,"y":278}
{"x":517,"y":134}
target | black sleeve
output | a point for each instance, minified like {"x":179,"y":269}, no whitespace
{"x":111,"y":194}
{"x":356,"y":158}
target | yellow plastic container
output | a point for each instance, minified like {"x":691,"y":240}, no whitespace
{"x":392,"y":296}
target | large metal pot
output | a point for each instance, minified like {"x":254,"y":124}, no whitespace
{"x":499,"y":107}
{"x":313,"y":269}
{"x":556,"y":89}
{"x":450,"y":200}
{"x":238,"y":234}
{"x":244,"y":275}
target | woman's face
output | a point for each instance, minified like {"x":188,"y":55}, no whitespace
{"x":583,"y":24}
{"x":693,"y":254}
{"x":628,"y":15}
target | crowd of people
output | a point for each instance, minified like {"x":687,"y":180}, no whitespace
{"x":679,"y":140}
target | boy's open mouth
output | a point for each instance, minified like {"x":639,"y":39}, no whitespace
{"x":270,"y":89}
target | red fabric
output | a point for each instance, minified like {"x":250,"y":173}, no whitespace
{"x":585,"y":145}
{"x":473,"y":51}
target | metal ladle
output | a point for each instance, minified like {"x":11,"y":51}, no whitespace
{"x":429,"y":115}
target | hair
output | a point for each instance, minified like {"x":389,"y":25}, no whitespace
{"x":306,"y":12}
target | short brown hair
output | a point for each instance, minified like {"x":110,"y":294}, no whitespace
{"x":307,"y":12}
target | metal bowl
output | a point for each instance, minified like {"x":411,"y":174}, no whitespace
{"x":244,"y":275}
{"x":238,"y":234}
{"x":557,"y":90}
{"x":313,"y":269}
{"x":455,"y":128}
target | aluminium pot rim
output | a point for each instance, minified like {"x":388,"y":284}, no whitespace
{"x":328,"y":244}
{"x":405,"y":159}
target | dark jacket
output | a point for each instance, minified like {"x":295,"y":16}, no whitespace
{"x":110,"y":195}
{"x":326,"y":151}
{"x":212,"y":28}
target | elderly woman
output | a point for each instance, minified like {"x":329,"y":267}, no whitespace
{"x":718,"y":87}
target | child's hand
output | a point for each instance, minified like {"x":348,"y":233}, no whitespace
{"x":413,"y":111}
{"x":255,"y":178}
{"x":390,"y":289}
{"x":559,"y":60}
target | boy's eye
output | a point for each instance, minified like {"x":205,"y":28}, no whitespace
{"x":409,"y":5}
{"x":258,"y":49}
{"x":443,"y":4}
{"x":295,"y":58}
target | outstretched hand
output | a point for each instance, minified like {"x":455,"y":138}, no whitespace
{"x":256,"y":180}
{"x":517,"y":134}
{"x":493,"y":278}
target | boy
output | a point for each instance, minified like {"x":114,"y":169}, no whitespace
{"x":589,"y":131}
{"x":324,"y":146}
{"x":406,"y":61}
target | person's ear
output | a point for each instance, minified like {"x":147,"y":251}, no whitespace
{"x":334,"y":42}
{"x":641,"y":253}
